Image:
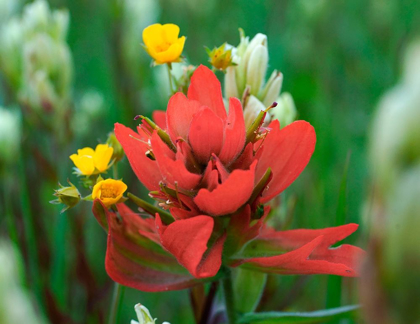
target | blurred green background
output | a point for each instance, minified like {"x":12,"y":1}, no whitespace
{"x":338,"y":58}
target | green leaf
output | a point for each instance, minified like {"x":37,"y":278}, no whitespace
{"x":320,"y":316}
{"x":248,"y":285}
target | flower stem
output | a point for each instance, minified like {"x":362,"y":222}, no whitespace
{"x":116,"y":303}
{"x":171,"y":86}
{"x":229,"y":298}
{"x":115,"y":171}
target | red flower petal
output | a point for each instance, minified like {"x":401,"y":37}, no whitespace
{"x":205,"y":88}
{"x":235,"y":132}
{"x":159,"y":117}
{"x":245,"y":159}
{"x":229,"y":196}
{"x":180,"y":114}
{"x":135,"y":147}
{"x":134,"y":261}
{"x":172,"y":170}
{"x":287,"y":151}
{"x":187,"y":240}
{"x":206,"y":134}
{"x":304,"y":252}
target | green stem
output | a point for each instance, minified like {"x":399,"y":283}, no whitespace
{"x":171,"y":86}
{"x":115,"y":171}
{"x":229,"y":298}
{"x":116,"y":303}
{"x":10,"y":218}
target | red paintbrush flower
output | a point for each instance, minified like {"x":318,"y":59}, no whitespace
{"x":214,"y":175}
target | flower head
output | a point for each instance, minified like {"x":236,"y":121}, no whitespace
{"x":162,"y":43}
{"x":109,"y":191}
{"x":214,"y":176}
{"x":69,"y":196}
{"x":220,"y":57}
{"x":89,"y":161}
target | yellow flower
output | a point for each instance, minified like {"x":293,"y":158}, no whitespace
{"x":220,"y":57}
{"x":89,"y":161}
{"x":109,"y":191}
{"x":162,"y":43}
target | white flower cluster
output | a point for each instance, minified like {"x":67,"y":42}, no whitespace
{"x":246,"y":80}
{"x":35,"y":58}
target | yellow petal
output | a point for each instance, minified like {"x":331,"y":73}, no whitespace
{"x":84,"y":163}
{"x":102,"y":156}
{"x":170,"y":32}
{"x":86,"y":151}
{"x":109,"y":191}
{"x":153,"y":35}
{"x":171,"y":55}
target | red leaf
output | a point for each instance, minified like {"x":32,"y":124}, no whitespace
{"x":229,"y":196}
{"x":159,"y":117}
{"x":206,"y":134}
{"x":172,"y":170}
{"x":205,"y":88}
{"x":234,"y":132}
{"x":135,"y":147}
{"x":187,"y":240}
{"x":180,"y":114}
{"x":135,"y":261}
{"x":286,"y":151}
{"x":304,"y":252}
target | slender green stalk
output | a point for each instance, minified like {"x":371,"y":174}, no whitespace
{"x":115,"y":171}
{"x":117,"y":298}
{"x":171,"y":86}
{"x":229,"y":297}
{"x":10,"y":220}
{"x":30,"y":235}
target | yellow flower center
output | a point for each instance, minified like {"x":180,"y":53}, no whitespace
{"x":109,"y":191}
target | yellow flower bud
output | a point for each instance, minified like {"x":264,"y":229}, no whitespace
{"x":220,"y":57}
{"x":68,"y":196}
{"x":89,"y":161}
{"x":162,"y":43}
{"x":109,"y":191}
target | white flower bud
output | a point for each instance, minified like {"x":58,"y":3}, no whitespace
{"x":257,"y":68}
{"x":11,"y":39}
{"x":251,"y":110}
{"x":143,"y":315}
{"x":285,"y":112}
{"x":231,"y":88}
{"x":258,"y":40}
{"x":7,"y":9}
{"x":10,"y":136}
{"x":272,"y":88}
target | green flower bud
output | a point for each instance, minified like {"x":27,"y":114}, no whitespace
{"x":285,"y":112}
{"x":68,"y":196}
{"x":118,"y":152}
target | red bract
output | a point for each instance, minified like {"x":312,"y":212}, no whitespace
{"x":214,"y":175}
